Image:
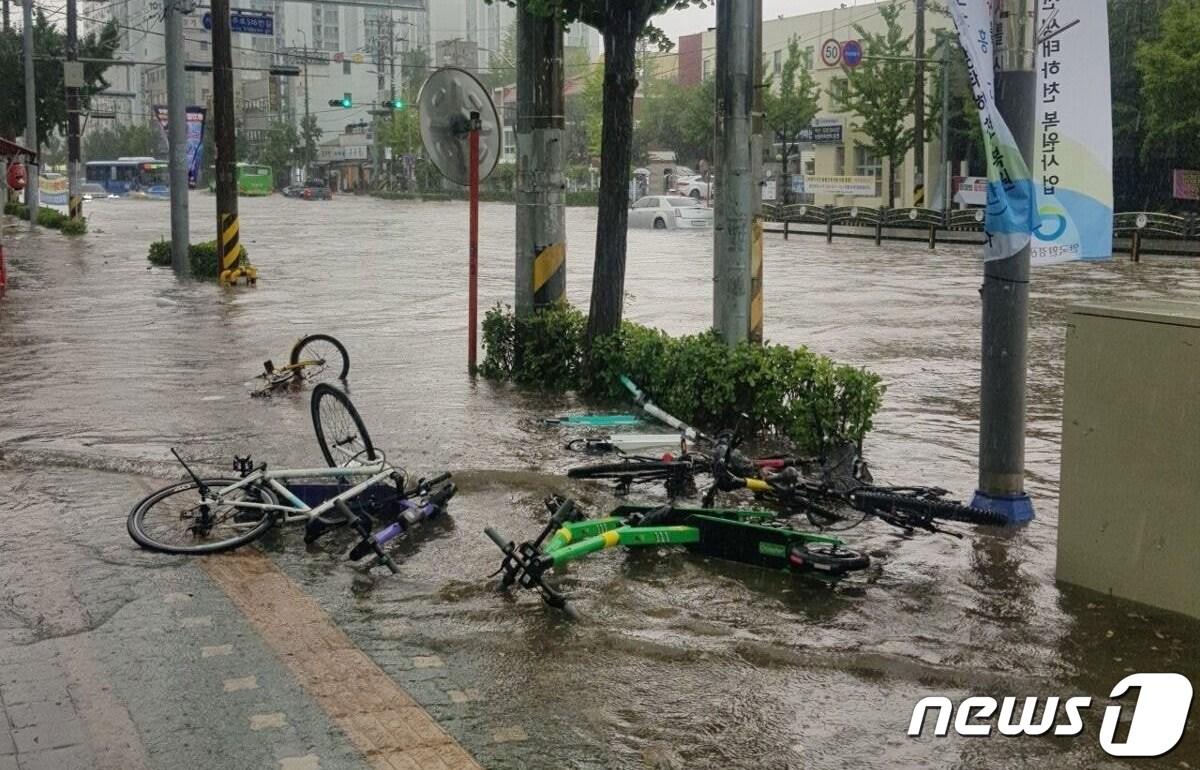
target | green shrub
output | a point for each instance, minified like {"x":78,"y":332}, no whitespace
{"x":796,"y":393}
{"x":202,"y":256}
{"x":47,"y":217}
{"x":75,"y":226}
{"x":16,"y":209}
{"x":583,"y":198}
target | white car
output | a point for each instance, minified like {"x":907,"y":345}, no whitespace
{"x":694,"y":187}
{"x":668,"y":212}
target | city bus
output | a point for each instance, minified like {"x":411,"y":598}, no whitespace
{"x":253,"y":179}
{"x":125,"y":175}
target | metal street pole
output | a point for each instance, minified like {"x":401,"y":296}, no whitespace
{"x":228,"y":229}
{"x":919,"y":109}
{"x":307,"y":126}
{"x":71,"y":71}
{"x":32,"y":199}
{"x":541,"y":258}
{"x":944,"y":172}
{"x":177,"y":137}
{"x":1006,"y":294}
{"x":734,"y":209}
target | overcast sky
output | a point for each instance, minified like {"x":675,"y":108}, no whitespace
{"x":686,"y":22}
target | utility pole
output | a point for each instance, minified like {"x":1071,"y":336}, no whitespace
{"x":919,"y":109}
{"x":6,"y":15}
{"x":72,"y":74}
{"x":756,"y":163}
{"x":944,"y":159}
{"x":177,"y":136}
{"x":541,"y":227}
{"x":32,"y":199}
{"x":307,"y":126}
{"x":1006,"y":293}
{"x":734,"y":210}
{"x":377,"y":120}
{"x":228,"y":244}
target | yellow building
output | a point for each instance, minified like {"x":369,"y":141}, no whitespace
{"x":838,"y":150}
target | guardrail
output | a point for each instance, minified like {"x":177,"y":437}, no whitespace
{"x":1137,"y":226}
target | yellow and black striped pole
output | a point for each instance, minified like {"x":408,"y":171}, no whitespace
{"x":756,"y":282}
{"x":549,"y":275}
{"x":229,"y":250}
{"x":75,"y":207}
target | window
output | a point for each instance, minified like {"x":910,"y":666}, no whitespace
{"x":868,"y":164}
{"x":807,"y":58}
{"x":346,"y":67}
{"x":203,"y":45}
{"x":839,"y":160}
{"x":707,"y":68}
{"x":777,"y":58}
{"x":839,"y":89}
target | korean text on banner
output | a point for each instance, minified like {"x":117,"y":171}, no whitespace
{"x":1010,"y":209}
{"x":1073,"y":146}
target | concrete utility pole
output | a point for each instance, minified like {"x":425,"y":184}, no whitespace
{"x":541,"y":227}
{"x":177,"y":136}
{"x":919,"y":108}
{"x":734,"y":210}
{"x":228,"y":245}
{"x":944,"y":159}
{"x":756,"y":163}
{"x":1006,"y":293}
{"x":32,"y":199}
{"x":73,"y":70}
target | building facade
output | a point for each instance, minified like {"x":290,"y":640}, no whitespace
{"x":837,"y":149}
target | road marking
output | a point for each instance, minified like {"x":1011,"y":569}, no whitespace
{"x":195,"y":621}
{"x":216,"y":651}
{"x":375,"y":713}
{"x":242,"y":683}
{"x":267,"y":721}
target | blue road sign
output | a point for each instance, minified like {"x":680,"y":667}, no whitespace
{"x":249,"y":22}
{"x":852,"y":53}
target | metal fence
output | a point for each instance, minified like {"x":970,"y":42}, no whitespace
{"x":928,"y":224}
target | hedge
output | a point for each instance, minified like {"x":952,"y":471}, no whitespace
{"x":48,"y":217}
{"x":203,"y":257}
{"x":580,"y":198}
{"x":791,"y":392}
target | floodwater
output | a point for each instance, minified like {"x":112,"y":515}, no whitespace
{"x":678,"y":661}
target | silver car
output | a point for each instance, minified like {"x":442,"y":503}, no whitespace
{"x":668,"y":212}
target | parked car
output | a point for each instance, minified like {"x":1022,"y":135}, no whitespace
{"x":668,"y":212}
{"x":316,"y":190}
{"x":693,"y":187}
{"x":293,"y":191}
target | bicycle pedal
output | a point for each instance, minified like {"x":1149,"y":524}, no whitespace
{"x":268,"y":367}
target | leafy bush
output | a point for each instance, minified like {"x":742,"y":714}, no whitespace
{"x":75,"y":226}
{"x":16,"y":209}
{"x":796,"y":393}
{"x":202,"y":256}
{"x":583,"y":198}
{"x":47,"y":217}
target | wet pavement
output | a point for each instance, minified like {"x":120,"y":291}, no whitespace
{"x":678,"y":661}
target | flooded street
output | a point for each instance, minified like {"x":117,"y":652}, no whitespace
{"x":678,"y":661}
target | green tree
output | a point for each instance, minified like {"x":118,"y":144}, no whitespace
{"x":791,"y":108}
{"x":414,"y":67}
{"x":501,"y":70}
{"x":880,"y":92}
{"x":1170,"y":73}
{"x":1139,"y":180}
{"x":133,"y":140}
{"x":280,"y":150}
{"x":679,"y":118}
{"x":49,"y":45}
{"x":622,"y":23}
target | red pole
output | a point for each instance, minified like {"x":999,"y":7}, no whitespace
{"x":473,"y":281}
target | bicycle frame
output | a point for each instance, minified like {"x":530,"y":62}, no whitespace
{"x":298,"y":511}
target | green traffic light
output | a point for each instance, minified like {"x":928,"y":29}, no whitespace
{"x":398,"y":104}
{"x":346,"y":102}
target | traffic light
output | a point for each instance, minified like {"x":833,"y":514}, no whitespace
{"x":346,"y":102}
{"x":397,"y":104}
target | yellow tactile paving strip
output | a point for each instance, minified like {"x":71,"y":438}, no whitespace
{"x":378,"y":716}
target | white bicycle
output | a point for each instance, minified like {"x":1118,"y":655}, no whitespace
{"x":210,"y":515}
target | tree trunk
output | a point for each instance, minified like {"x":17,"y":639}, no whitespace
{"x":616,"y":150}
{"x":891,"y":183}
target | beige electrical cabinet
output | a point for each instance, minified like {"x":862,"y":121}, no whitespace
{"x":1129,"y":512}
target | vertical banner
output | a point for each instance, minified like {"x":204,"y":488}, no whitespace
{"x":195,"y":138}
{"x":1010,"y":200}
{"x":195,"y":143}
{"x":1073,"y":146}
